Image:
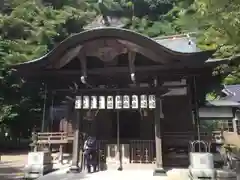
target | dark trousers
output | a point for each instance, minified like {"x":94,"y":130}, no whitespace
{"x":91,"y":159}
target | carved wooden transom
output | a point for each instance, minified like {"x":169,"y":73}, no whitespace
{"x":106,"y":50}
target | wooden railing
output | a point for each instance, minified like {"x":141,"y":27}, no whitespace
{"x":52,"y":137}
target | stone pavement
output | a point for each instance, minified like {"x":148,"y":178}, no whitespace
{"x":131,"y":174}
{"x":105,"y":175}
{"x":10,"y":170}
{"x":11,"y":166}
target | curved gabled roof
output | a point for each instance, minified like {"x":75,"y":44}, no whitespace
{"x":184,"y":49}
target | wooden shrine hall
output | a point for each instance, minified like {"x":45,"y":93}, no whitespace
{"x":126,"y":89}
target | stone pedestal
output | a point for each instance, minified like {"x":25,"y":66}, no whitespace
{"x":38,"y":164}
{"x":112,"y":157}
{"x":159,"y":172}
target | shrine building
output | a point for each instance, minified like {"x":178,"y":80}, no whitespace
{"x":136,"y":94}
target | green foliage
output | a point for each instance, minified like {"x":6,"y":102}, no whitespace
{"x":28,"y":30}
{"x":218,"y":24}
{"x":31,"y":28}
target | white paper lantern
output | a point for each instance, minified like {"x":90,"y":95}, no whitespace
{"x":78,"y":102}
{"x":86,"y":103}
{"x":126,"y":102}
{"x":93,"y":102}
{"x":152,"y":101}
{"x":143,"y":101}
{"x":134,"y":101}
{"x":118,"y":102}
{"x":109,"y":102}
{"x":101,"y":102}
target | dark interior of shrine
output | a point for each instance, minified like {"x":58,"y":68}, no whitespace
{"x":129,"y":124}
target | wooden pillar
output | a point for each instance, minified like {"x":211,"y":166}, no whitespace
{"x":158,"y":171}
{"x":43,"y":126}
{"x":234,"y":120}
{"x":61,"y":153}
{"x":196,"y":111}
{"x":76,"y":142}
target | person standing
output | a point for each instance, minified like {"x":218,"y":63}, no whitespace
{"x":90,"y":153}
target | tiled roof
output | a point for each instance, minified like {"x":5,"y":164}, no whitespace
{"x":179,"y":43}
{"x":223,"y":103}
{"x":183,"y":43}
{"x":232,"y":92}
{"x":181,"y":47}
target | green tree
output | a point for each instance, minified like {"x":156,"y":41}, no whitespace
{"x":43,"y":24}
{"x":28,"y":30}
{"x":217,"y":23}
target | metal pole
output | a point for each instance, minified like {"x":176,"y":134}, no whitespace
{"x":44,"y":108}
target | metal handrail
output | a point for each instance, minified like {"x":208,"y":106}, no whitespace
{"x":193,"y":145}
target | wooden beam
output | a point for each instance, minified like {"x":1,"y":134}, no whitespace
{"x":83,"y":62}
{"x":66,"y":58}
{"x":114,"y":70}
{"x":131,"y":61}
{"x":135,"y":90}
{"x":160,"y":58}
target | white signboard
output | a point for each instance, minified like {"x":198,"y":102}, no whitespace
{"x":78,"y":102}
{"x":86,"y":102}
{"x":110,"y":102}
{"x":134,"y":101}
{"x":151,"y":101}
{"x":143,"y":101}
{"x":93,"y":102}
{"x":101,"y":102}
{"x":126,"y":102}
{"x":118,"y":102}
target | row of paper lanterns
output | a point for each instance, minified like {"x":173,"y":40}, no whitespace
{"x":121,"y":102}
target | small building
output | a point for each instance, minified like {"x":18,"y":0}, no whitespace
{"x":126,"y":88}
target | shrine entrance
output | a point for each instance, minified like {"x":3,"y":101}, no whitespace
{"x":124,"y":124}
{"x":129,"y":125}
